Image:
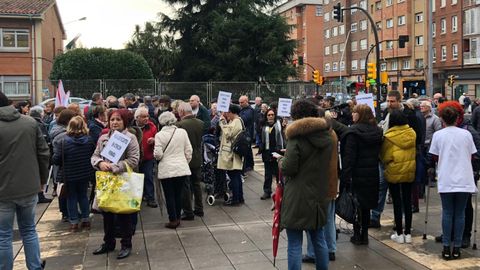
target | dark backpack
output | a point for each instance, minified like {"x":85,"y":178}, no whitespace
{"x":242,"y":142}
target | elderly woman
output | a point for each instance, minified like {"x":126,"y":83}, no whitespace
{"x":173,"y":151}
{"x":118,"y":120}
{"x":306,"y":166}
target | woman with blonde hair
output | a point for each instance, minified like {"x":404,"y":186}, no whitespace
{"x":76,"y":149}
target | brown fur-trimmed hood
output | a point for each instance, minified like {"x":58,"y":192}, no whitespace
{"x":306,"y":126}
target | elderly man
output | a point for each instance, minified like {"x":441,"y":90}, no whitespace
{"x":200,"y":112}
{"x":194,"y":128}
{"x":130,"y":101}
{"x":23,"y":170}
{"x":97,"y":100}
{"x":247,"y":115}
{"x":256,"y":116}
{"x":433,"y":122}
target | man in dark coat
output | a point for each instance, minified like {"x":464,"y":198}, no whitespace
{"x":247,"y":113}
{"x":200,"y":112}
{"x":256,"y":119}
{"x":195,"y":129}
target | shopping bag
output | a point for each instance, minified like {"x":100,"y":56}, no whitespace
{"x":346,"y":206}
{"x":119,"y":193}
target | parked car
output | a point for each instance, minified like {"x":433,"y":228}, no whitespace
{"x":80,"y":101}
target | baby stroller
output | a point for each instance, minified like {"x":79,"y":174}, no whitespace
{"x":215,"y":180}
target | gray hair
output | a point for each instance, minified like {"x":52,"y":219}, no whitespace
{"x":427,"y":103}
{"x":167,"y":119}
{"x":140,"y":110}
{"x":414,"y":102}
{"x":185,"y":107}
{"x":36,"y":111}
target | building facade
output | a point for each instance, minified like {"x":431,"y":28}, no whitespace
{"x":31,"y":35}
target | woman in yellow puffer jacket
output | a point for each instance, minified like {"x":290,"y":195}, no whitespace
{"x":398,"y":156}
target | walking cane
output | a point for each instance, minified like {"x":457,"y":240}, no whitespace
{"x":49,"y":177}
{"x":474,"y":246}
{"x":426,"y":210}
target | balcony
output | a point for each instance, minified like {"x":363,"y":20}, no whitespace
{"x":470,"y":58}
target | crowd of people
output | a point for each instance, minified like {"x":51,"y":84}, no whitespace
{"x":403,"y":153}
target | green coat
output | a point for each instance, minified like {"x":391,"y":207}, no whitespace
{"x":194,"y":128}
{"x":306,"y":169}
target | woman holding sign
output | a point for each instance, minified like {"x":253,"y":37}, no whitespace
{"x":118,"y":121}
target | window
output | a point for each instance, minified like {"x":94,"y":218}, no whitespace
{"x":418,"y":63}
{"x":354,"y":64}
{"x":15,"y":85}
{"x":327,"y":33}
{"x":363,"y":25}
{"x":444,"y":53}
{"x":363,"y":44}
{"x":363,"y":4}
{"x":455,"y":51}
{"x":327,"y":50}
{"x":334,"y":31}
{"x":454,"y":24}
{"x":394,"y":65}
{"x":406,"y":64}
{"x":13,"y":39}
{"x":419,"y":17}
{"x":318,"y":10}
{"x":443,"y":3}
{"x":326,"y":17}
{"x":353,"y":27}
{"x":389,"y":45}
{"x":443,"y":26}
{"x":362,"y":64}
{"x":383,"y":66}
{"x":434,"y":55}
{"x":353,"y":10}
{"x":454,"y":2}
{"x":419,"y":40}
{"x":342,"y":47}
{"x":327,"y":67}
{"x":389,"y":23}
{"x":325,"y":2}
{"x":342,"y":65}
{"x":334,"y":48}
{"x":335,"y":66}
{"x":379,"y":26}
{"x":341,"y":30}
{"x":389,"y":2}
{"x":378,"y":5}
{"x":434,"y":29}
{"x":354,"y":46}
{"x":401,"y":20}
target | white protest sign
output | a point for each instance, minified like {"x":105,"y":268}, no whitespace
{"x":284,"y":107}
{"x":223,"y":101}
{"x":328,"y":94}
{"x":366,"y":99}
{"x":116,"y":145}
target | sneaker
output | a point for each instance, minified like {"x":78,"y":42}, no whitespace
{"x":265,"y":196}
{"x":44,"y":200}
{"x":408,"y":238}
{"x":446,"y":254}
{"x":439,"y":239}
{"x":400,"y":239}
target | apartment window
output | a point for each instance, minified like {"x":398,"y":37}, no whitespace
{"x":419,"y":17}
{"x":401,"y":20}
{"x":341,"y":30}
{"x":327,"y":50}
{"x":434,"y":29}
{"x":454,"y":51}
{"x":454,"y":24}
{"x":383,"y":66}
{"x":394,"y":65}
{"x":342,"y":47}
{"x":354,"y":46}
{"x":334,"y":31}
{"x":326,"y":17}
{"x":342,"y":65}
{"x":327,"y":67}
{"x":418,"y":63}
{"x":406,"y":64}
{"x":15,"y":85}
{"x":363,"y":4}
{"x":434,"y":55}
{"x":334,"y":48}
{"x":318,"y":10}
{"x":389,"y":2}
{"x":353,"y":10}
{"x":378,"y":5}
{"x":354,"y":64}
{"x":362,"y":64}
{"x":444,"y":53}
{"x":325,"y":2}
{"x":363,"y":25}
{"x":454,"y":2}
{"x":389,"y":45}
{"x":443,"y":26}
{"x":419,"y":40}
{"x":379,"y":26}
{"x":327,"y":33}
{"x":443,"y":3}
{"x":363,"y":44}
{"x":335,"y":66}
{"x":12,"y":39}
{"x":353,"y":27}
{"x":400,"y":1}
{"x":389,"y":23}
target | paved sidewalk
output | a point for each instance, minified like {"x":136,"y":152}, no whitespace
{"x":232,"y":238}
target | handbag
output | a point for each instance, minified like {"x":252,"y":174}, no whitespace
{"x":242,"y":143}
{"x":346,"y":206}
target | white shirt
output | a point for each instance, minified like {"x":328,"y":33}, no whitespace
{"x":454,"y":147}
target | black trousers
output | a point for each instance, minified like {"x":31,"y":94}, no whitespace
{"x":271,"y":169}
{"x":193,"y":188}
{"x":467,"y":231}
{"x":172,"y":189}
{"x":126,"y":229}
{"x":402,"y":197}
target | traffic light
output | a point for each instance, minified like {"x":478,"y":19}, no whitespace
{"x":316,"y":76}
{"x":384,"y":77}
{"x":372,"y":71}
{"x":338,"y":12}
{"x":320,"y":80}
{"x":451,"y":80}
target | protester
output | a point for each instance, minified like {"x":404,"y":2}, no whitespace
{"x":453,"y":147}
{"x":48,"y":113}
{"x":200,"y":112}
{"x":130,"y":101}
{"x":192,"y":187}
{"x":24,"y":163}
{"x":173,"y":151}
{"x":271,"y":138}
{"x":119,"y":121}
{"x":56,"y":113}
{"x":74,"y":157}
{"x":97,"y":100}
{"x":111,"y":102}
{"x":75,"y":107}
{"x":230,"y":126}
{"x":174,"y":108}
{"x":256,"y":116}
{"x":214,"y":118}
{"x":360,"y":157}
{"x":147,"y":162}
{"x":97,"y":124}
{"x":247,"y":115}
{"x":23,"y":107}
{"x":398,"y":156}
{"x":311,"y":146}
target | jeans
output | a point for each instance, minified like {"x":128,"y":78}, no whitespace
{"x":402,"y":198}
{"x":146,"y":167}
{"x":330,"y":233}
{"x":172,"y":189}
{"x":271,"y":169}
{"x":193,"y":187}
{"x":77,"y":196}
{"x":294,"y":250}
{"x":467,"y":231}
{"x":236,"y":185}
{"x":126,"y":230}
{"x":24,"y":208}
{"x":382,"y":195}
{"x":453,"y":215}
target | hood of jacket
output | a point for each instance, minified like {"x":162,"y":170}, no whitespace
{"x":8,"y":114}
{"x":368,"y":134}
{"x":80,"y":140}
{"x":56,"y":130}
{"x":314,"y":129}
{"x":401,"y":136}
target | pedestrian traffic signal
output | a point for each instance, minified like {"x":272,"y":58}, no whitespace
{"x":338,"y":12}
{"x":384,"y":77}
{"x":372,"y":71}
{"x":451,"y":80}
{"x":316,"y":76}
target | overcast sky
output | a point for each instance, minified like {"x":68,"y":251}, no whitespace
{"x":109,"y":23}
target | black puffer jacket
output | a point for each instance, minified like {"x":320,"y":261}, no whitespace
{"x":74,"y":155}
{"x":360,"y":157}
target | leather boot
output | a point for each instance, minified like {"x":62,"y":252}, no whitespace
{"x":356,"y":238}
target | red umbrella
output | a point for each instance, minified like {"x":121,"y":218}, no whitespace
{"x":277,"y":200}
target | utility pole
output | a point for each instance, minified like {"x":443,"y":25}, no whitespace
{"x":430,"y":49}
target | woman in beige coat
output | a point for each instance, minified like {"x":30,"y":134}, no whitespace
{"x":173,"y":151}
{"x":231,"y":125}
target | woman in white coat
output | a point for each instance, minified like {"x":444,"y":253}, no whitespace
{"x":173,"y":151}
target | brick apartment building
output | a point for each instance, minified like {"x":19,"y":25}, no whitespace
{"x":31,"y":35}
